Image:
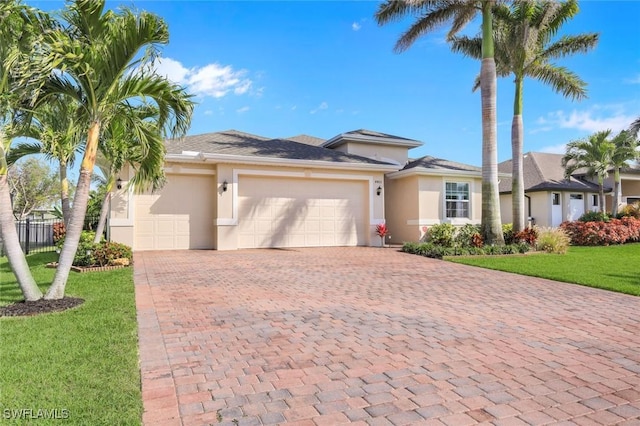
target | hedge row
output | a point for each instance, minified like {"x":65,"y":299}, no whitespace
{"x":438,"y":252}
{"x":615,"y":231}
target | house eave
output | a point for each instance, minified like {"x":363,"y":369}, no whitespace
{"x":271,"y":161}
{"x":423,"y":171}
{"x":342,"y":139}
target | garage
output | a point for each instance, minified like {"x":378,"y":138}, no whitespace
{"x":180,"y":216}
{"x":288,"y":212}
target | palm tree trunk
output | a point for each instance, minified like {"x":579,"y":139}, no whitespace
{"x":9,"y":235}
{"x":104,"y":209}
{"x":517,"y":180}
{"x":617,"y":191}
{"x":64,"y":193}
{"x":601,"y":194}
{"x":76,"y":221}
{"x":491,"y":223}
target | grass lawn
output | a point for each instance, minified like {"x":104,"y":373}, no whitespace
{"x":615,"y":268}
{"x":83,"y":360}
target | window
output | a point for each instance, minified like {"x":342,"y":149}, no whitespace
{"x":575,"y":196}
{"x":457,"y":199}
{"x":594,"y":200}
{"x":556,"y":199}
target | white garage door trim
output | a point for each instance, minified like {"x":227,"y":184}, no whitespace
{"x":233,"y":221}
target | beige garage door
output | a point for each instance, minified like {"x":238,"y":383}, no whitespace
{"x":180,"y":216}
{"x":285,"y":212}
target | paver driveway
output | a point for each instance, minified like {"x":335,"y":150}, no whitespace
{"x":370,"y":335}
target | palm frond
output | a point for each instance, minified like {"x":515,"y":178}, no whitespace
{"x":569,"y":45}
{"x":561,"y":80}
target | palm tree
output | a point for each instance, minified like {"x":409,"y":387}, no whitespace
{"x":626,"y":146}
{"x":20,"y":28}
{"x":523,"y":41}
{"x":101,"y":60}
{"x":55,"y":127}
{"x":432,"y":14}
{"x":594,"y":155}
{"x":119,"y":148}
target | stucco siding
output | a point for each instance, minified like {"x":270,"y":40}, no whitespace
{"x":401,"y":208}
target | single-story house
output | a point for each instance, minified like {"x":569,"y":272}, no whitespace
{"x":229,"y":190}
{"x":550,"y":198}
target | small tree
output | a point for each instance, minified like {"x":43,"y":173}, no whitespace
{"x":33,"y":185}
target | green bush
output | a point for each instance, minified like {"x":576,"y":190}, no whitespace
{"x":441,"y":234}
{"x":507,"y":233}
{"x":630,"y":210}
{"x":553,"y":240}
{"x":592,"y":216}
{"x":438,"y":252}
{"x":466,"y":236}
{"x":106,"y":252}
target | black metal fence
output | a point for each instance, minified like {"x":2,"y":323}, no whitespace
{"x":37,"y":235}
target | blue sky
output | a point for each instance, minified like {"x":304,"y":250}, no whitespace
{"x":280,"y":69}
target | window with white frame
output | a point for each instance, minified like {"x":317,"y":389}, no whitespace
{"x":457,"y":199}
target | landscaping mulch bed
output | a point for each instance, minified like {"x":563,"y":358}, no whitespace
{"x":82,"y":269}
{"x":38,"y":307}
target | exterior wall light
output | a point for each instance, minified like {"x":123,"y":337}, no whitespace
{"x":119,"y":183}
{"x":224,"y":186}
{"x":379,"y":190}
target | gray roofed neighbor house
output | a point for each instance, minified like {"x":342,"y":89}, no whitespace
{"x":306,"y":139}
{"x":428,"y":162}
{"x":233,"y":142}
{"x":544,"y":172}
{"x":369,"y":136}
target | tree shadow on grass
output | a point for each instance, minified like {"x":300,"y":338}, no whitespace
{"x":9,"y":288}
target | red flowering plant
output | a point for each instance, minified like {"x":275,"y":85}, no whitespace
{"x":382,"y":231}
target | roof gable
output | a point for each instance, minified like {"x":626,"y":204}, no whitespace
{"x":371,"y":137}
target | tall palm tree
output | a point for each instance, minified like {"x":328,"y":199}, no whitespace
{"x":524,"y":48}
{"x":593,"y":154}
{"x":56,"y":128}
{"x":432,"y":14}
{"x":626,"y":150}
{"x":635,"y":126}
{"x":20,"y":29}
{"x":101,"y":60}
{"x":119,"y":148}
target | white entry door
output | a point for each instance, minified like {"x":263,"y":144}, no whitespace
{"x":576,"y":206}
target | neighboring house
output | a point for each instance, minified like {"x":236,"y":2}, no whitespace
{"x":550,"y":198}
{"x":629,"y":186}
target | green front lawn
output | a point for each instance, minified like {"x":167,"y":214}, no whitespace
{"x":615,"y":268}
{"x":82,"y":363}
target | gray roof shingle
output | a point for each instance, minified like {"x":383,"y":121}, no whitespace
{"x":371,"y":136}
{"x":233,"y":142}
{"x":429,"y":162}
{"x":543,"y":172}
{"x":306,"y":139}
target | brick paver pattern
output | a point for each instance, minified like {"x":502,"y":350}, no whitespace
{"x":329,"y":336}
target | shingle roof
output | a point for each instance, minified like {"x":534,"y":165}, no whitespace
{"x":370,"y":136}
{"x":306,"y":139}
{"x":429,"y":162}
{"x":233,"y":142}
{"x":543,"y":172}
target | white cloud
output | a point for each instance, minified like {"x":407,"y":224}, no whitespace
{"x":633,"y":80}
{"x":322,"y":106}
{"x":356,"y":26}
{"x":295,"y":107}
{"x":592,"y":120}
{"x":555,"y":149}
{"x":243,"y":109}
{"x":208,"y":112}
{"x":212,"y":80}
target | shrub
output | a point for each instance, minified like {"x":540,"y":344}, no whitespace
{"x":107,"y":253}
{"x":438,"y":252}
{"x":527,"y":235}
{"x":466,"y":236}
{"x":616,"y":231}
{"x":594,"y":217}
{"x":553,"y":240}
{"x":58,"y":231}
{"x":441,"y":234}
{"x":630,"y":210}
{"x":507,"y":233}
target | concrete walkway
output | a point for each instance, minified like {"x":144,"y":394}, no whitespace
{"x":374,"y":336}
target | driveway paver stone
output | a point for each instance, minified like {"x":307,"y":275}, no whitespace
{"x":329,"y":336}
